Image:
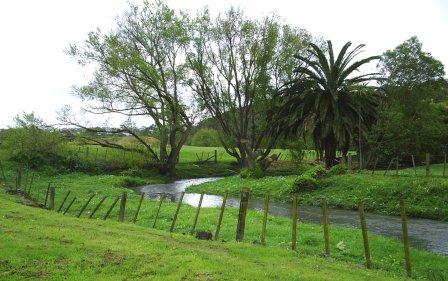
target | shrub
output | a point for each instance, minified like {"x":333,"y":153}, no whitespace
{"x":338,"y":170}
{"x":132,"y":182}
{"x":304,"y":183}
{"x":254,"y":173}
{"x":316,"y":172}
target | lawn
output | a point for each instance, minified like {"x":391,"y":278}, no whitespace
{"x":427,"y":197}
{"x":37,"y":244}
{"x":386,"y":252}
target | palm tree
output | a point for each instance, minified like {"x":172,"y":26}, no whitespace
{"x":325,"y":100}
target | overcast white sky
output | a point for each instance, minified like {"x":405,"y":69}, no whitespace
{"x":36,"y":75}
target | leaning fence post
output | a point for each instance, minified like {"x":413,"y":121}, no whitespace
{"x":365,"y":236}
{"x":413,"y":164}
{"x":216,"y":156}
{"x":295,"y":207}
{"x":193,"y":228}
{"x":63,"y":201}
{"x":325,"y":222}
{"x":242,"y":215}
{"x":52,"y":194}
{"x":69,"y":205}
{"x":404,"y":221}
{"x":265,"y":218}
{"x":221,"y":215}
{"x":427,"y":162}
{"x":179,"y":204}
{"x":138,"y":208}
{"x":97,"y":207}
{"x":158,"y":210}
{"x":111,"y":208}
{"x":122,"y":207}
{"x":388,"y":166}
{"x":85,"y":205}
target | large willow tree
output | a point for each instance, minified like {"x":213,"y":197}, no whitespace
{"x":140,"y":71}
{"x":237,"y":67}
{"x":328,"y":99}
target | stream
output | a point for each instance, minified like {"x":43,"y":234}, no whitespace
{"x":430,"y":235}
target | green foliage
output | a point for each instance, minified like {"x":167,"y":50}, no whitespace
{"x":339,"y":169}
{"x":205,"y":137}
{"x":328,"y":100}
{"x":132,"y":182}
{"x":32,"y":143}
{"x":316,"y":172}
{"x":297,"y":151}
{"x":304,"y":183}
{"x":408,"y":64}
{"x":255,"y":172}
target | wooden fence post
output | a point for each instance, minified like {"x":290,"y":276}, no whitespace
{"x":404,"y":221}
{"x":46,"y":195}
{"x":138,"y":208}
{"x":265,"y":218}
{"x":52,"y":194}
{"x":30,"y":185}
{"x":444,"y":164}
{"x":413,"y":164}
{"x":325,"y":222}
{"x":162,"y":197}
{"x":221,"y":215}
{"x":179,"y":204}
{"x":396,"y":166}
{"x":388,"y":166}
{"x":97,"y":207}
{"x":19,"y":177}
{"x":427,"y":163}
{"x":195,"y":221}
{"x":122,"y":207}
{"x":242,"y":215}
{"x":295,"y":213}
{"x":69,"y":205}
{"x":374,"y":165}
{"x":365,"y":236}
{"x":63,"y":201}
{"x":85,"y":205}
{"x":111,"y":208}
{"x":216,"y":156}
{"x":3,"y":172}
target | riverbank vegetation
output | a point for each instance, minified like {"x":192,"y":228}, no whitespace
{"x":346,"y":244}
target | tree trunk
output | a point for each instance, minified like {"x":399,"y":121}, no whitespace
{"x":330,"y":151}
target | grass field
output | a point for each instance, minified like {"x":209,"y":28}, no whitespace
{"x":37,"y":244}
{"x":386,"y":252}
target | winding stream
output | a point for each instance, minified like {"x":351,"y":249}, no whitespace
{"x":425,"y":234}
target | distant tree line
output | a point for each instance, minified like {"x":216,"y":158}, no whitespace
{"x":252,"y":85}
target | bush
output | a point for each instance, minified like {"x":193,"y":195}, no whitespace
{"x":132,"y":182}
{"x":32,"y":143}
{"x":316,"y":172}
{"x":253,"y":173}
{"x":338,"y":170}
{"x":205,"y":137}
{"x":297,"y":151}
{"x":304,"y":183}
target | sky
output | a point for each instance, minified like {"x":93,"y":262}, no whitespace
{"x":36,"y":75}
